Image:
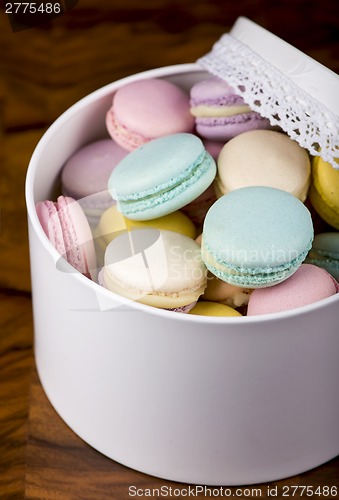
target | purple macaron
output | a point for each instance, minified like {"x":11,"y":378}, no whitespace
{"x":220,"y":113}
{"x":85,"y":176}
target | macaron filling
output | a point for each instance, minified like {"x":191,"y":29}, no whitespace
{"x":251,"y":277}
{"x":174,"y":187}
{"x":183,"y":300}
{"x":204,"y":110}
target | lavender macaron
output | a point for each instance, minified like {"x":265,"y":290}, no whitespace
{"x":85,"y":176}
{"x":220,"y":113}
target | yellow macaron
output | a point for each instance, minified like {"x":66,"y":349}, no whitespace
{"x":112,"y":223}
{"x":324,"y":191}
{"x":207,"y":308}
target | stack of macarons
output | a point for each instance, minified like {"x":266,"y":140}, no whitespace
{"x":194,"y":203}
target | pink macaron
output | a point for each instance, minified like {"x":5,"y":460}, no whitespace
{"x":85,"y":175}
{"x":307,"y":285}
{"x":220,"y":113}
{"x":67,"y":228}
{"x":147,"y":109}
{"x":213,"y":147}
{"x":197,"y":209}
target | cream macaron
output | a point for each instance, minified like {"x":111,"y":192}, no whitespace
{"x":159,"y":268}
{"x":263,"y":158}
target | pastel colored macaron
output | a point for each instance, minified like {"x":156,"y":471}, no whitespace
{"x":85,"y":175}
{"x":146,"y":109}
{"x":220,"y":113}
{"x":264,"y":158}
{"x":112,"y":223}
{"x":325,"y":252}
{"x":213,"y":147}
{"x":218,"y":290}
{"x":67,"y":228}
{"x":324,"y":191}
{"x":155,"y":267}
{"x":162,"y":176}
{"x":197,"y":209}
{"x":256,"y":236}
{"x":205,"y":308}
{"x":308,"y":284}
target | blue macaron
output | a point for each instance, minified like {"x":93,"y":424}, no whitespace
{"x":325,"y":253}
{"x":256,"y":236}
{"x":162,"y":176}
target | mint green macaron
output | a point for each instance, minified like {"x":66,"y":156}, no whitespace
{"x":256,"y":236}
{"x":161,"y":176}
{"x":325,"y":252}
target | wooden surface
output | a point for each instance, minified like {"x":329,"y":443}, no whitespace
{"x":43,"y":71}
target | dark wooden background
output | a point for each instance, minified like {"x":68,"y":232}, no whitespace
{"x":43,"y":71}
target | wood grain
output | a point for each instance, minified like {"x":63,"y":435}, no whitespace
{"x":44,"y":70}
{"x":16,"y":361}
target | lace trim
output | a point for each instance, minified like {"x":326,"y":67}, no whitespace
{"x":272,"y":94}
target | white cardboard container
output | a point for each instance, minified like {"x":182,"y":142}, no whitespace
{"x":215,"y":401}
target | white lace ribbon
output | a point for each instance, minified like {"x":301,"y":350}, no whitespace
{"x":272,"y":94}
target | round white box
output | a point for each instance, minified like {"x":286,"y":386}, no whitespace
{"x":216,"y":401}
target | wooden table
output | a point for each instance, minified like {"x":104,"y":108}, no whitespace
{"x":44,"y":70}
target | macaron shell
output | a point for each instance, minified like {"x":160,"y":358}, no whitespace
{"x":87,"y":171}
{"x":325,"y":253}
{"x":85,"y":175}
{"x":213,"y":147}
{"x":324,"y":191}
{"x":326,"y":245}
{"x":264,"y":158}
{"x":77,"y":235}
{"x":224,"y":129}
{"x":196,"y":210}
{"x":67,"y":228}
{"x":159,"y":268}
{"x":162,"y":176}
{"x":50,"y":222}
{"x":205,"y":308}
{"x":156,"y":164}
{"x":246,"y":244}
{"x":307,"y":285}
{"x":150,"y":108}
{"x":215,"y":92}
{"x":127,"y":139}
{"x":113,"y":222}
